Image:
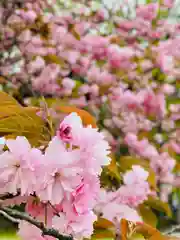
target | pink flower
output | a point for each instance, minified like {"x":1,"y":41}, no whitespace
{"x":28,"y":231}
{"x":31,"y":50}
{"x":148,"y":11}
{"x":142,"y":148}
{"x":14,"y":19}
{"x":36,"y":65}
{"x":165,"y":191}
{"x":79,"y":228}
{"x":94,"y":90}
{"x":72,"y":56}
{"x":120,"y":57}
{"x":18,"y":166}
{"x":135,"y":176}
{"x":25,"y":36}
{"x":132,"y":195}
{"x":60,"y":173}
{"x":79,"y":102}
{"x":175,"y":146}
{"x":29,"y":15}
{"x":102,"y":14}
{"x":135,"y":182}
{"x":92,"y":146}
{"x":57,"y":31}
{"x":93,"y":74}
{"x":106,"y":78}
{"x":70,"y":128}
{"x":168,"y":3}
{"x":84,"y":197}
{"x":166,"y":63}
{"x":168,"y":89}
{"x":47,"y":78}
{"x":68,"y":83}
{"x":94,"y":150}
{"x":97,"y":44}
{"x":163,"y":165}
{"x":114,"y":212}
{"x":40,"y":210}
{"x":154,"y":104}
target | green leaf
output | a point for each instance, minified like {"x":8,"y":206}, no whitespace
{"x":126,"y":162}
{"x":113,"y":168}
{"x":103,"y":234}
{"x":75,"y":92}
{"x":159,"y":205}
{"x":152,"y":178}
{"x":137,"y":236}
{"x":74,"y":32}
{"x":172,"y":100}
{"x":147,"y":215}
{"x":50,"y":102}
{"x":55,"y":59}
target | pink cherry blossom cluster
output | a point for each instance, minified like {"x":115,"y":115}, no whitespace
{"x":69,"y":37}
{"x":124,"y":70}
{"x":161,"y":163}
{"x":122,"y":203}
{"x":59,"y":183}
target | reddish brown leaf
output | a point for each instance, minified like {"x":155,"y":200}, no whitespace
{"x":86,"y":117}
{"x":124,"y":229}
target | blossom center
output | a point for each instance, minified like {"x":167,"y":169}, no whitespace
{"x":17,"y":165}
{"x":57,"y":175}
{"x":67,"y":130}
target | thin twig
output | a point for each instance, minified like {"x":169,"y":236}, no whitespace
{"x":56,"y":211}
{"x":23,"y":216}
{"x":5,"y":215}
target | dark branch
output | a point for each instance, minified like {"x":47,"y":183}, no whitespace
{"x":8,"y":196}
{"x":11,"y":219}
{"x":23,"y":216}
{"x":171,"y":230}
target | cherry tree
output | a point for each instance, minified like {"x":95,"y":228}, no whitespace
{"x":121,"y":65}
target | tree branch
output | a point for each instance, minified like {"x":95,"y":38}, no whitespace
{"x":8,"y":196}
{"x":23,"y":216}
{"x":171,"y":230}
{"x":5,"y":215}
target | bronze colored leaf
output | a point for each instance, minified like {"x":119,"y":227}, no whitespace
{"x":86,"y":117}
{"x":146,"y":230}
{"x":55,"y":59}
{"x":136,"y":236}
{"x":124,"y":229}
{"x":16,"y":120}
{"x":103,"y":223}
{"x":157,"y":236}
